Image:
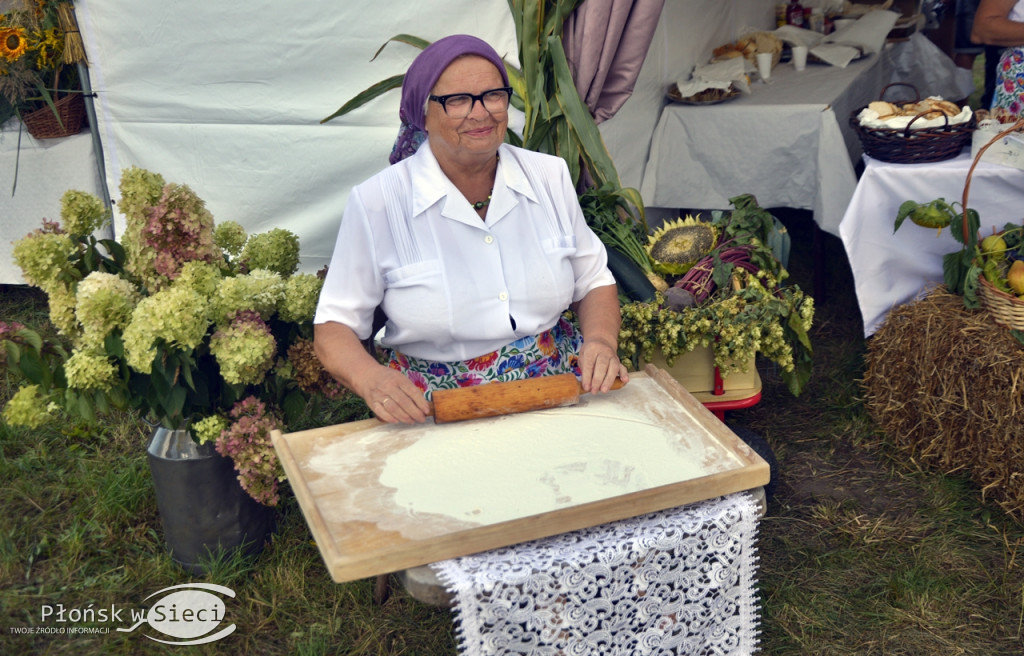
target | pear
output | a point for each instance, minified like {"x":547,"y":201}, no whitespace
{"x":993,"y":245}
{"x":1015,"y":277}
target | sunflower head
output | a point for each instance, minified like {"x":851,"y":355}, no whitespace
{"x":677,"y":245}
{"x":13,"y":43}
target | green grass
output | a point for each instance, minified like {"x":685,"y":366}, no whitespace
{"x":862,"y":551}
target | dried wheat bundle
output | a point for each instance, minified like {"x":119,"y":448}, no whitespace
{"x":74,"y":49}
{"x":947,"y":386}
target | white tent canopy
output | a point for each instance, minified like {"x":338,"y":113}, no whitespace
{"x":227,"y":97}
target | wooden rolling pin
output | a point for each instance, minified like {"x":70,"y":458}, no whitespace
{"x":494,"y":399}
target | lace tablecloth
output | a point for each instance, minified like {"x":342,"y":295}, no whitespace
{"x":680,"y":581}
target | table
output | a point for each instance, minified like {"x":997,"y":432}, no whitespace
{"x":787,"y":142}
{"x":601,"y":540}
{"x":889,"y":268}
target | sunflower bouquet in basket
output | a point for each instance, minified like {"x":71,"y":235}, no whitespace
{"x":726,"y":293}
{"x":39,"y":46}
{"x":188,"y":323}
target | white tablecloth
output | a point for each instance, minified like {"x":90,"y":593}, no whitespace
{"x":788,"y":143}
{"x":676,"y":582}
{"x":890,"y":268}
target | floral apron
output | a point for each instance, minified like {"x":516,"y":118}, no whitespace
{"x":554,"y":351}
{"x":1009,"y":90}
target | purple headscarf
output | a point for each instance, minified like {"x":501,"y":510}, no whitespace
{"x":421,"y":77}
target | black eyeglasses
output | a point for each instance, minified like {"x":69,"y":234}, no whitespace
{"x":460,"y":105}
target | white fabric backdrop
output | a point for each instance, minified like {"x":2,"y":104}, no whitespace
{"x":227,"y":97}
{"x":46,"y":168}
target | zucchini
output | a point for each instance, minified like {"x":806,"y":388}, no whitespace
{"x":630,"y":277}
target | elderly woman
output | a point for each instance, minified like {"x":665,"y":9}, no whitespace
{"x":472,"y":248}
{"x":1001,"y":23}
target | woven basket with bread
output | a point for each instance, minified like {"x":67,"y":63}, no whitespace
{"x":913,"y":131}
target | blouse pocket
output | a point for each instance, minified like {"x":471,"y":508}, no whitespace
{"x":564,"y":243}
{"x":559,"y":252}
{"x":412,"y":274}
{"x":415,"y":300}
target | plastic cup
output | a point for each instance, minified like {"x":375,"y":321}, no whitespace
{"x":764,"y":65}
{"x":799,"y":57}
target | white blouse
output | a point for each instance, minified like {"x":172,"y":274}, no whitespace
{"x":453,"y":286}
{"x":1017,"y":13}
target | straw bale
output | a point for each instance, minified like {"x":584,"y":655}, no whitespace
{"x":946,"y":384}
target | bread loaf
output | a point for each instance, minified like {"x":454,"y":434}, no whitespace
{"x":883,"y":108}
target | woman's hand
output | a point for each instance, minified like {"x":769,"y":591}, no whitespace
{"x":390,"y":395}
{"x":599,"y":366}
{"x":393,"y":397}
{"x":599,"y":319}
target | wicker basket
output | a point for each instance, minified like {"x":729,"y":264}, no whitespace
{"x":1006,"y":309}
{"x":911,"y":145}
{"x":43,"y":124}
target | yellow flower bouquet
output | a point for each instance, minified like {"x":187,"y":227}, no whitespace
{"x":39,"y":48}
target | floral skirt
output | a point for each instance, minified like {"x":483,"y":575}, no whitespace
{"x":1009,"y":90}
{"x":554,"y":351}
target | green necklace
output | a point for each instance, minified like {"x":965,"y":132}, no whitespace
{"x":480,"y":204}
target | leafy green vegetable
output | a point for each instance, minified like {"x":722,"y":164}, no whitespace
{"x":607,"y":212}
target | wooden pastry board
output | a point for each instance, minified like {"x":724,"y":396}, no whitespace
{"x":380,"y":498}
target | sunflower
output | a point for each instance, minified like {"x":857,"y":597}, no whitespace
{"x":13,"y":43}
{"x":49,"y":47}
{"x":677,"y":245}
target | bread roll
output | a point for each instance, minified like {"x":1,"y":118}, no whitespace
{"x":728,"y":51}
{"x":883,"y":108}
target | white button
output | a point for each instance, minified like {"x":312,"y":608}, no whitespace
{"x":488,"y":239}
{"x":503,"y":296}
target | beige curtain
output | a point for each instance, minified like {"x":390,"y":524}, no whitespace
{"x":606,"y":42}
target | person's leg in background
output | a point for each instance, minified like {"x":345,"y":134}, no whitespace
{"x":992,"y":54}
{"x":966,"y":51}
{"x":941,"y":24}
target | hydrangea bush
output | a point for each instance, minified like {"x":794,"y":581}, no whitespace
{"x":189,"y":323}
